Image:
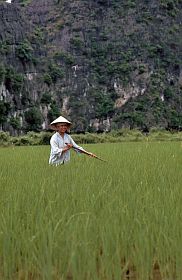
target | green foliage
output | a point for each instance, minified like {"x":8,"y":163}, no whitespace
{"x":154,"y":50}
{"x":14,"y":81}
{"x":46,"y":98}
{"x":67,"y":58}
{"x":38,"y":34}
{"x":33,"y":118}
{"x":88,"y":138}
{"x":114,"y":136}
{"x":121,"y":70}
{"x":15,"y":122}
{"x":77,"y":42}
{"x":5,"y":138}
{"x":24,"y":51}
{"x":170,"y":6}
{"x":98,"y":51}
{"x":54,"y":112}
{"x":45,"y":138}
{"x":4,"y":47}
{"x":131,"y":119}
{"x":4,"y":110}
{"x":55,"y":72}
{"x":106,"y":3}
{"x":32,"y":139}
{"x":104,"y":105}
{"x":174,"y":119}
{"x":130,"y":4}
{"x":47,"y":79}
{"x":168,"y":93}
{"x":25,"y":2}
{"x":141,"y":69}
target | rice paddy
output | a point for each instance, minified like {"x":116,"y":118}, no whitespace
{"x":91,"y":220}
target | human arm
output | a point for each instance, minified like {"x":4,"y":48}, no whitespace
{"x":78,"y":148}
{"x":73,"y":145}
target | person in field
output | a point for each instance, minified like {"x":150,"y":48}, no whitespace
{"x":61,"y":142}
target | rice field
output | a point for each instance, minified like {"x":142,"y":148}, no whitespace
{"x":91,"y":220}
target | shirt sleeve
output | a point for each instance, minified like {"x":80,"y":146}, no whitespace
{"x":55,"y":150}
{"x":75,"y":145}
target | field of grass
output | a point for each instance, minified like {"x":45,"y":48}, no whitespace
{"x":91,"y":220}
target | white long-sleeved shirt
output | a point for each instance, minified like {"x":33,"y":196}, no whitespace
{"x":58,"y":143}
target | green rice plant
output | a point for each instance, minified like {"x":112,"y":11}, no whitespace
{"x":119,"y":219}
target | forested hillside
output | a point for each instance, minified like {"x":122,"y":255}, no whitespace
{"x":104,"y":64}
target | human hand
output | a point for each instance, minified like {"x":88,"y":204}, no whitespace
{"x":92,"y":155}
{"x":68,"y":147}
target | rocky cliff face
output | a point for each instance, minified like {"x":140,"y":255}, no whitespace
{"x":103,"y":63}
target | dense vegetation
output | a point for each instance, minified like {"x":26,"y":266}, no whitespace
{"x":121,"y":135}
{"x":93,"y":61}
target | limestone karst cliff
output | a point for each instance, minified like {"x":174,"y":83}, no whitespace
{"x":106,"y":63}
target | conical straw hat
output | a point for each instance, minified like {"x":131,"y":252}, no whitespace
{"x":59,"y":120}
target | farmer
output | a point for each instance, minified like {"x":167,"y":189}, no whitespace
{"x":61,"y":142}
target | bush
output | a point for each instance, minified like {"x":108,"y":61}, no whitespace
{"x":55,"y":72}
{"x":47,"y":79}
{"x":32,"y":138}
{"x":45,"y":138}
{"x":15,"y":123}
{"x":4,"y":110}
{"x":4,"y":47}
{"x":54,"y":112}
{"x":87,"y":138}
{"x":42,"y":138}
{"x":124,"y":135}
{"x":24,"y":141}
{"x":25,"y":2}
{"x":77,"y":42}
{"x":46,"y":98}
{"x":33,"y":118}
{"x":4,"y":137}
{"x":13,"y":80}
{"x":65,"y":57}
{"x":24,"y":51}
